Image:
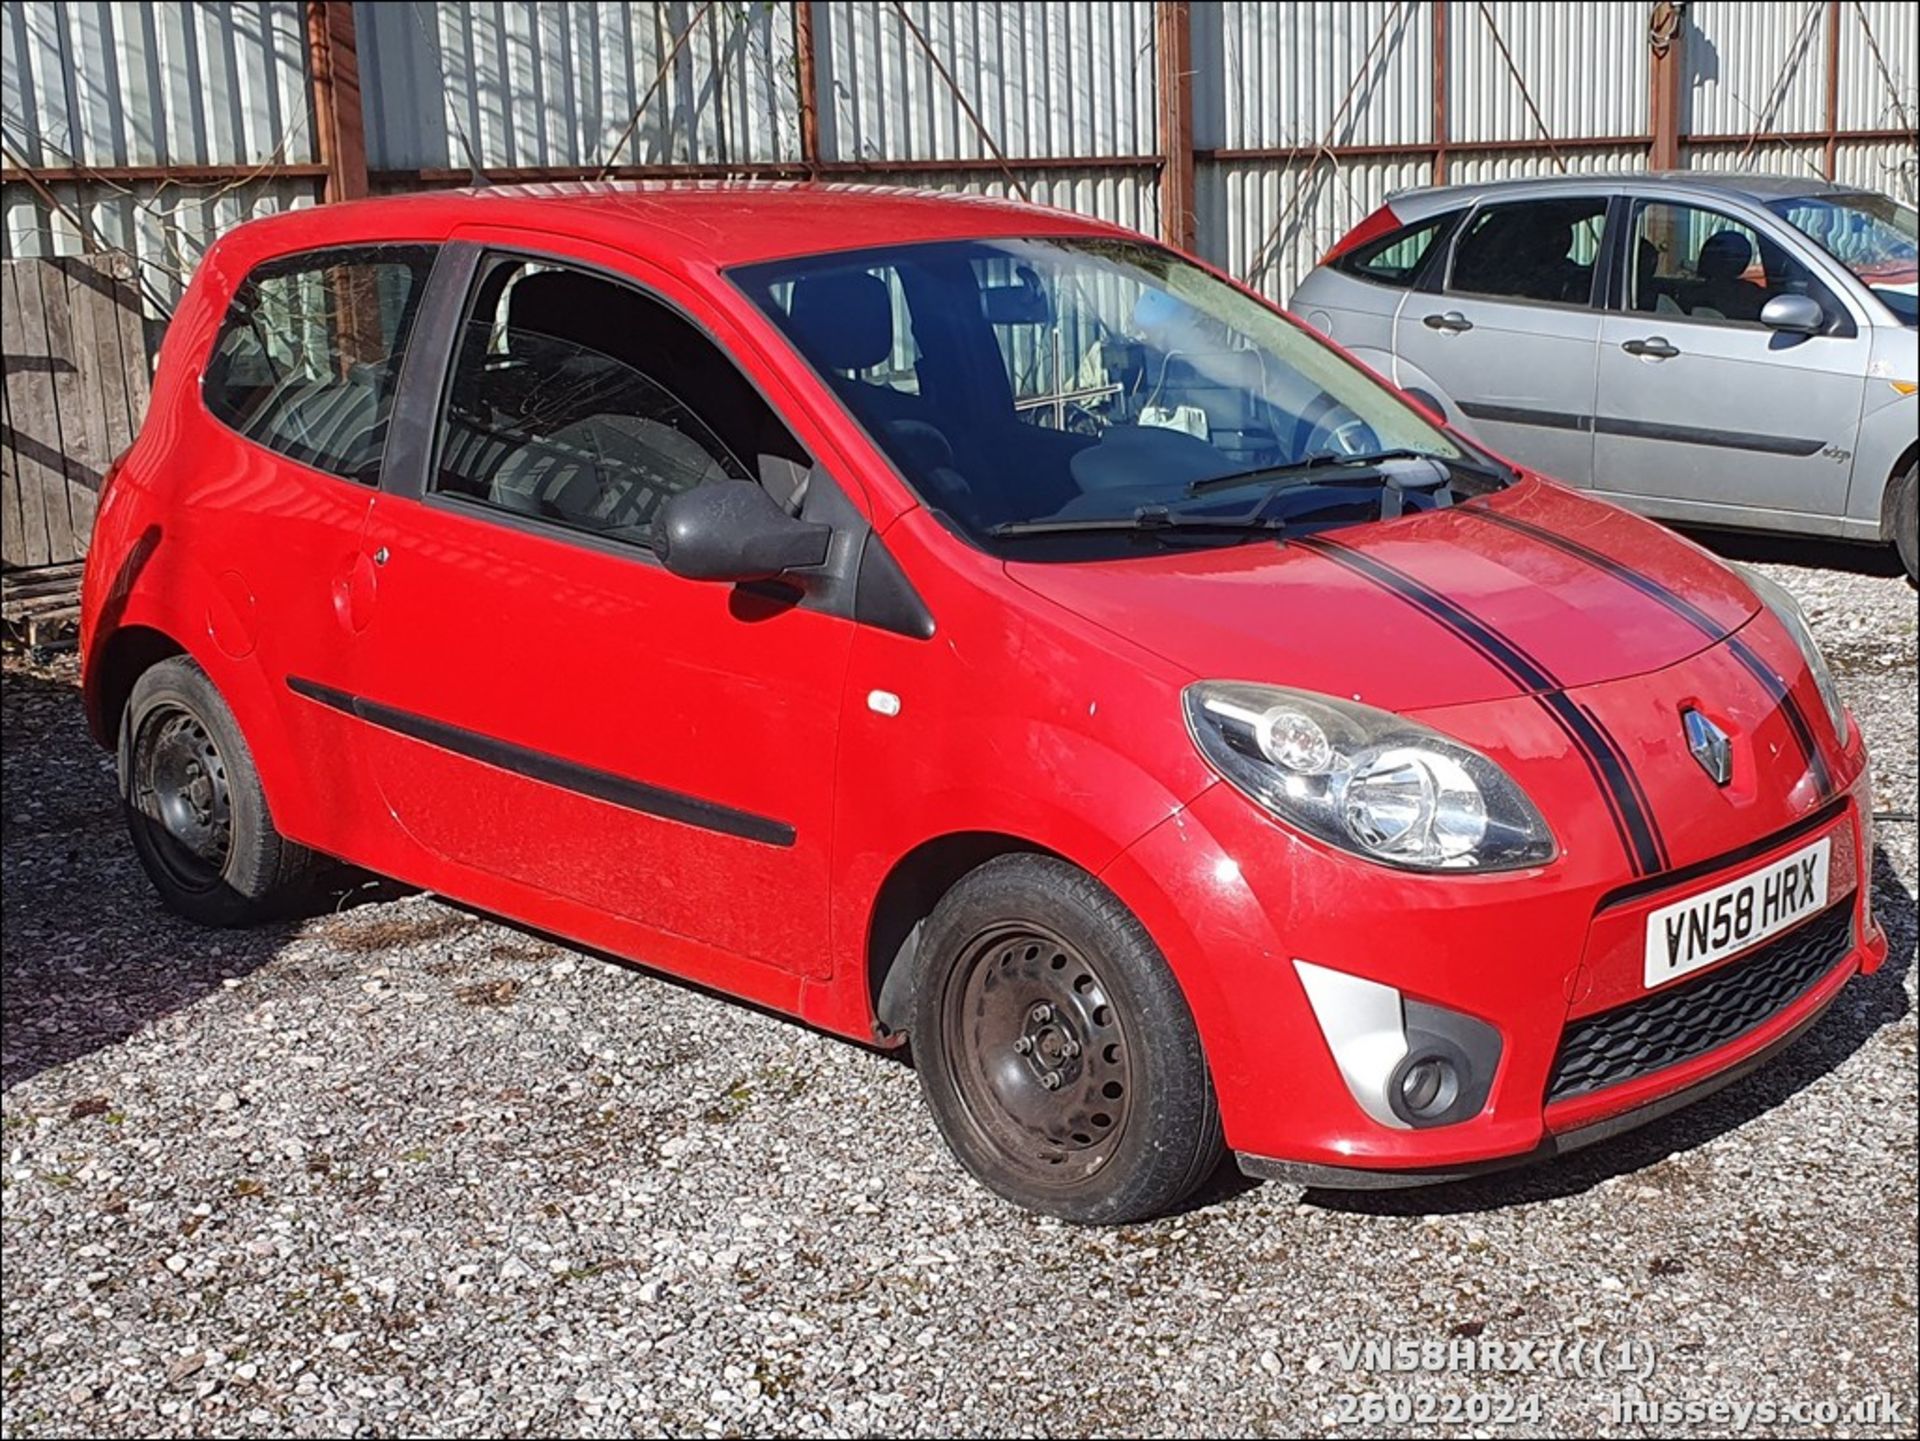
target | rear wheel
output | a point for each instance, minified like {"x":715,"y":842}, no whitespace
{"x":1056,"y":1050}
{"x":1906,"y":515}
{"x":194,"y":806}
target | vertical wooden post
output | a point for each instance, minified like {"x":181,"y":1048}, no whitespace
{"x":1441,"y":66}
{"x":808,"y":83}
{"x":1667,"y":41}
{"x":1175,"y":49}
{"x":334,"y":67}
{"x":1833,"y":87}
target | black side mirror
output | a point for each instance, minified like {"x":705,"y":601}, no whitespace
{"x":733,"y":530}
{"x":1795,"y":314}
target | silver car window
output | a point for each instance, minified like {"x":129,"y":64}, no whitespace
{"x":1544,"y":251}
{"x":1694,"y":263}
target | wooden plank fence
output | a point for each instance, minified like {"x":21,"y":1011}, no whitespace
{"x":74,"y":376}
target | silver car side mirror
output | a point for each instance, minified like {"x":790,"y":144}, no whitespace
{"x":1795,"y":314}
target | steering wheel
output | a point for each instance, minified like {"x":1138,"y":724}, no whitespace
{"x":1329,"y":427}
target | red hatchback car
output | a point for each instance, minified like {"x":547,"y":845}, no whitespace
{"x":955,"y":620}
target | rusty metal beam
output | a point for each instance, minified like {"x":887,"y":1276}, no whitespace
{"x":1833,"y":88}
{"x":1442,"y":64}
{"x":161,"y":174}
{"x":1174,"y":45}
{"x":1454,"y":147}
{"x":1667,"y":59}
{"x":772,"y":169}
{"x":333,"y":66}
{"x":1805,"y":137}
{"x":776,"y":170}
{"x":807,"y":81}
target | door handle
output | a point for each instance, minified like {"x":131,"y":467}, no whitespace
{"x":1452,"y":321}
{"x":1654,"y":347}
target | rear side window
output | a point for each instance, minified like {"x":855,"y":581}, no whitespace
{"x":1395,"y":259}
{"x":1538,"y":250}
{"x":309,"y":355}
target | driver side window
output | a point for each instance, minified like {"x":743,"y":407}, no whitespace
{"x":581,"y":402}
{"x":1689,"y":262}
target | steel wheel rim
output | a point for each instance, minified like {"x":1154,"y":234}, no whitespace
{"x":1023,"y":1005}
{"x":181,"y":786}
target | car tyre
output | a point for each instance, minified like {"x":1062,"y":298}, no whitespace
{"x":1055,"y":1049}
{"x":1906,"y":517}
{"x":194,"y":806}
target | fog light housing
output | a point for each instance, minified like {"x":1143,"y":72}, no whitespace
{"x":1409,"y":1064}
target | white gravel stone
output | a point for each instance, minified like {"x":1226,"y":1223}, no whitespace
{"x":402,"y":1169}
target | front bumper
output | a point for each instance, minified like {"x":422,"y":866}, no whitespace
{"x":1536,"y":955}
{"x":1556,"y":1143}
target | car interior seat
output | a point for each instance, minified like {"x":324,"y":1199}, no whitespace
{"x":1723,"y":292}
{"x":1542,"y":264}
{"x":844,"y":321}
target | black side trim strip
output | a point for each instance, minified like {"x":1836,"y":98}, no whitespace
{"x":1520,"y":415}
{"x":1805,"y":825}
{"x":1696,"y":435}
{"x":1770,"y":680}
{"x":1626,"y":802}
{"x":1642,"y":429}
{"x":552,"y":770}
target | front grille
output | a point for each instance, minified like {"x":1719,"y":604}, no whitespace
{"x":1693,"y":1017}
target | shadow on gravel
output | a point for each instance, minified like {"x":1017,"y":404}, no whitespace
{"x":88,"y":955}
{"x":1867,"y":1005}
{"x":1810,"y":552}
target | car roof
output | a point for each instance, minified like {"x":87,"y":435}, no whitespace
{"x":713,"y":223}
{"x":1744,"y":186}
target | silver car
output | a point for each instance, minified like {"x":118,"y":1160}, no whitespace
{"x":1735,"y":350}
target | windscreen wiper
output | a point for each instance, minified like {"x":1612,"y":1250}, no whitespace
{"x":1147,"y":520}
{"x":1331,"y":460}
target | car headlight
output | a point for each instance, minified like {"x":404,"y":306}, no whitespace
{"x":1366,"y":780}
{"x":1778,"y":599}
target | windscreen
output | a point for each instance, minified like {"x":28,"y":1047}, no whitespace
{"x":1028,"y":380}
{"x":1872,"y":235}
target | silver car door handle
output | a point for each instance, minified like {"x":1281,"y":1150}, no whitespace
{"x":1453,"y":320}
{"x":1655,"y":347}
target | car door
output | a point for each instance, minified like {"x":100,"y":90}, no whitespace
{"x":1506,"y":344}
{"x":546,"y":703}
{"x":1703,"y":412}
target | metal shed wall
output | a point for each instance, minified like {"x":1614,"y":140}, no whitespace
{"x":515,"y":85}
{"x":151,"y":87}
{"x":151,"y":126}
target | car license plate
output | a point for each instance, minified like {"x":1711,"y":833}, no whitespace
{"x":1708,"y":927}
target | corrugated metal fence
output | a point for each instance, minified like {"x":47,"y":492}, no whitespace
{"x":1304,"y":115}
{"x":145,"y":129}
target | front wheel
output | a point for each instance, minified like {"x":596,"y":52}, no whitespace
{"x":1906,"y":516}
{"x":1055,"y":1049}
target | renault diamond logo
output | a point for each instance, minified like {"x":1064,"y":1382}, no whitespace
{"x":1709,"y":745}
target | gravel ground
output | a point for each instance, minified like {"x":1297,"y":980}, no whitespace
{"x":400,"y":1168}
